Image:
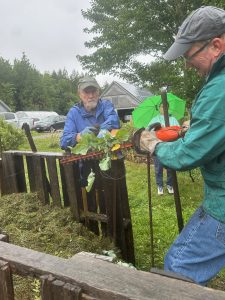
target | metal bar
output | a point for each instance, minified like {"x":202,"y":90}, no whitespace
{"x":180,"y":221}
{"x":150,"y":211}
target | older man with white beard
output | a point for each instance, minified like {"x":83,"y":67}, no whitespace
{"x":91,"y":114}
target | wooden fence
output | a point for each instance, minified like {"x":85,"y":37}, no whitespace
{"x":87,"y":276}
{"x":104,"y":210}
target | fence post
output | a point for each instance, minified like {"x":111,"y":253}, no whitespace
{"x":9,"y":180}
{"x":6,"y":283}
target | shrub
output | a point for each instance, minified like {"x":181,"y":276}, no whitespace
{"x":10,"y":137}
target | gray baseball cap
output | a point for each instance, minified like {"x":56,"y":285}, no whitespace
{"x":87,"y":81}
{"x":203,"y":24}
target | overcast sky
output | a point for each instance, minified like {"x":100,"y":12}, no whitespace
{"x":50,"y":32}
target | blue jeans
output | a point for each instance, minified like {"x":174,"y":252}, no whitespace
{"x":199,"y":251}
{"x":159,"y":173}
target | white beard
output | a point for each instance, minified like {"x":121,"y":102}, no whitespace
{"x":91,"y":106}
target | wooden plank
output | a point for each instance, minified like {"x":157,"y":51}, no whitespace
{"x":89,"y":197}
{"x":6,"y":282}
{"x":31,"y":173}
{"x":108,"y":187}
{"x":9,"y":181}
{"x":78,"y":183}
{"x":46,"y":291}
{"x":100,"y":197}
{"x":54,"y":181}
{"x":66,"y":201}
{"x":125,"y":218}
{"x":103,"y":280}
{"x":41,"y":179}
{"x":71,"y":189}
{"x":71,"y":292}
{"x":20,"y":174}
{"x":93,"y":216}
{"x":57,"y":289}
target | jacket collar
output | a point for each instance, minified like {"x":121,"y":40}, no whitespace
{"x":217,"y":67}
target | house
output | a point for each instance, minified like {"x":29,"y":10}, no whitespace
{"x":4,"y":107}
{"x":125,"y":97}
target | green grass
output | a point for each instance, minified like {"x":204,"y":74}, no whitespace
{"x":50,"y":142}
{"x":164,"y":214}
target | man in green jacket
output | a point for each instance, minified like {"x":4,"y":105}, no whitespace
{"x":199,"y":251}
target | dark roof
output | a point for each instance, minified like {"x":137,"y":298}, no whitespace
{"x":139,"y":93}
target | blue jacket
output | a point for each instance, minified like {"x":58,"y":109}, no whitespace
{"x":78,"y":118}
{"x":204,"y":143}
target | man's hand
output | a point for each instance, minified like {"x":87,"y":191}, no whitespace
{"x":144,"y":141}
{"x":102,"y":133}
{"x":89,"y":130}
{"x":148,"y":141}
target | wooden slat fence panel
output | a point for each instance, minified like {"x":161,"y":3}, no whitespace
{"x":104,"y":210}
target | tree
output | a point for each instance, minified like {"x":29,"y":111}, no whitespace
{"x":28,"y":86}
{"x":123,"y":30}
{"x":6,"y":83}
{"x":62,"y":90}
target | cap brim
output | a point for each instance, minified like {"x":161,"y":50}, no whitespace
{"x":85,"y":85}
{"x":176,"y":50}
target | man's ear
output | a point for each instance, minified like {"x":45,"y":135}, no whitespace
{"x":218,"y":46}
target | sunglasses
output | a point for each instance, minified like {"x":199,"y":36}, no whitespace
{"x":189,"y":58}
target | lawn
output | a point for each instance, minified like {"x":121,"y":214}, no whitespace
{"x":164,"y":214}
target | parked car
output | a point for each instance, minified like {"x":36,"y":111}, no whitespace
{"x":30,"y":117}
{"x":50,"y":123}
{"x":10,"y":118}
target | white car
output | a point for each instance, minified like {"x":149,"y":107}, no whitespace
{"x":10,"y":118}
{"x":30,"y":117}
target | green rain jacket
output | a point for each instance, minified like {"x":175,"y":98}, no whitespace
{"x":204,"y":144}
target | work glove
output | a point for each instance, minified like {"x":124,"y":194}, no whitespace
{"x":90,"y":129}
{"x":145,"y":141}
{"x":102,"y":133}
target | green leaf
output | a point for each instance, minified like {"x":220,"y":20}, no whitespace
{"x":90,"y":179}
{"x":123,"y":135}
{"x":80,"y":149}
{"x":105,"y":163}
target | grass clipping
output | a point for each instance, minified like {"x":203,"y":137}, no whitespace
{"x":46,"y":228}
